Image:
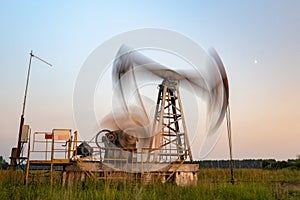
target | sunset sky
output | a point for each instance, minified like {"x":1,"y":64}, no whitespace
{"x":258,"y":41}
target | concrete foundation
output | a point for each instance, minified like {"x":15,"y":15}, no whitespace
{"x":180,"y":174}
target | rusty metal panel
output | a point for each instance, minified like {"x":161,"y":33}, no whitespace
{"x":25,"y":133}
{"x":61,"y":134}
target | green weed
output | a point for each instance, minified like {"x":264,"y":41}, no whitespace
{"x":212,"y":184}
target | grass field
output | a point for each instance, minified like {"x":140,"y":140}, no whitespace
{"x":212,"y":184}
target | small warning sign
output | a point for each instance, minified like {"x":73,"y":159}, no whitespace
{"x":61,"y":134}
{"x":48,"y":136}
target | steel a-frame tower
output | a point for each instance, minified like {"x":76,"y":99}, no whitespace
{"x":171,"y":139}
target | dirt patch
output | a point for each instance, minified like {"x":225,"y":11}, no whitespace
{"x":291,"y":186}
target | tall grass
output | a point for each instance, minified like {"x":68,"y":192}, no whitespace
{"x":212,"y":184}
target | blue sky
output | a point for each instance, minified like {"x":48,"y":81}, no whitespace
{"x":258,"y":41}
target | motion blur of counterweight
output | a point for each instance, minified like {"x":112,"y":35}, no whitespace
{"x":165,"y":128}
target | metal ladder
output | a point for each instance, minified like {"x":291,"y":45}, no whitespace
{"x":86,"y":169}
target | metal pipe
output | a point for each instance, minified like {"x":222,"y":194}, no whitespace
{"x":20,"y":144}
{"x":228,"y":119}
{"x":23,"y":109}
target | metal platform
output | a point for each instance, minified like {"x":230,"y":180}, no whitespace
{"x":81,"y":162}
{"x":179,"y":173}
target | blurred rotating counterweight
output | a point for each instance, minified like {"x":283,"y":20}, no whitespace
{"x":163,"y":136}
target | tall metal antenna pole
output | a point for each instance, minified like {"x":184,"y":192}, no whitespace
{"x":20,"y":145}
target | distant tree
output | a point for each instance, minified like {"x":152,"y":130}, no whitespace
{"x":281,"y":164}
{"x":267,"y":164}
{"x":297,"y":164}
{"x":3,"y":163}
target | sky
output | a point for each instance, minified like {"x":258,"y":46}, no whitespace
{"x":258,"y":42}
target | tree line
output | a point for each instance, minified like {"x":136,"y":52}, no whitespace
{"x":250,"y":164}
{"x":3,"y":163}
{"x":238,"y":164}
